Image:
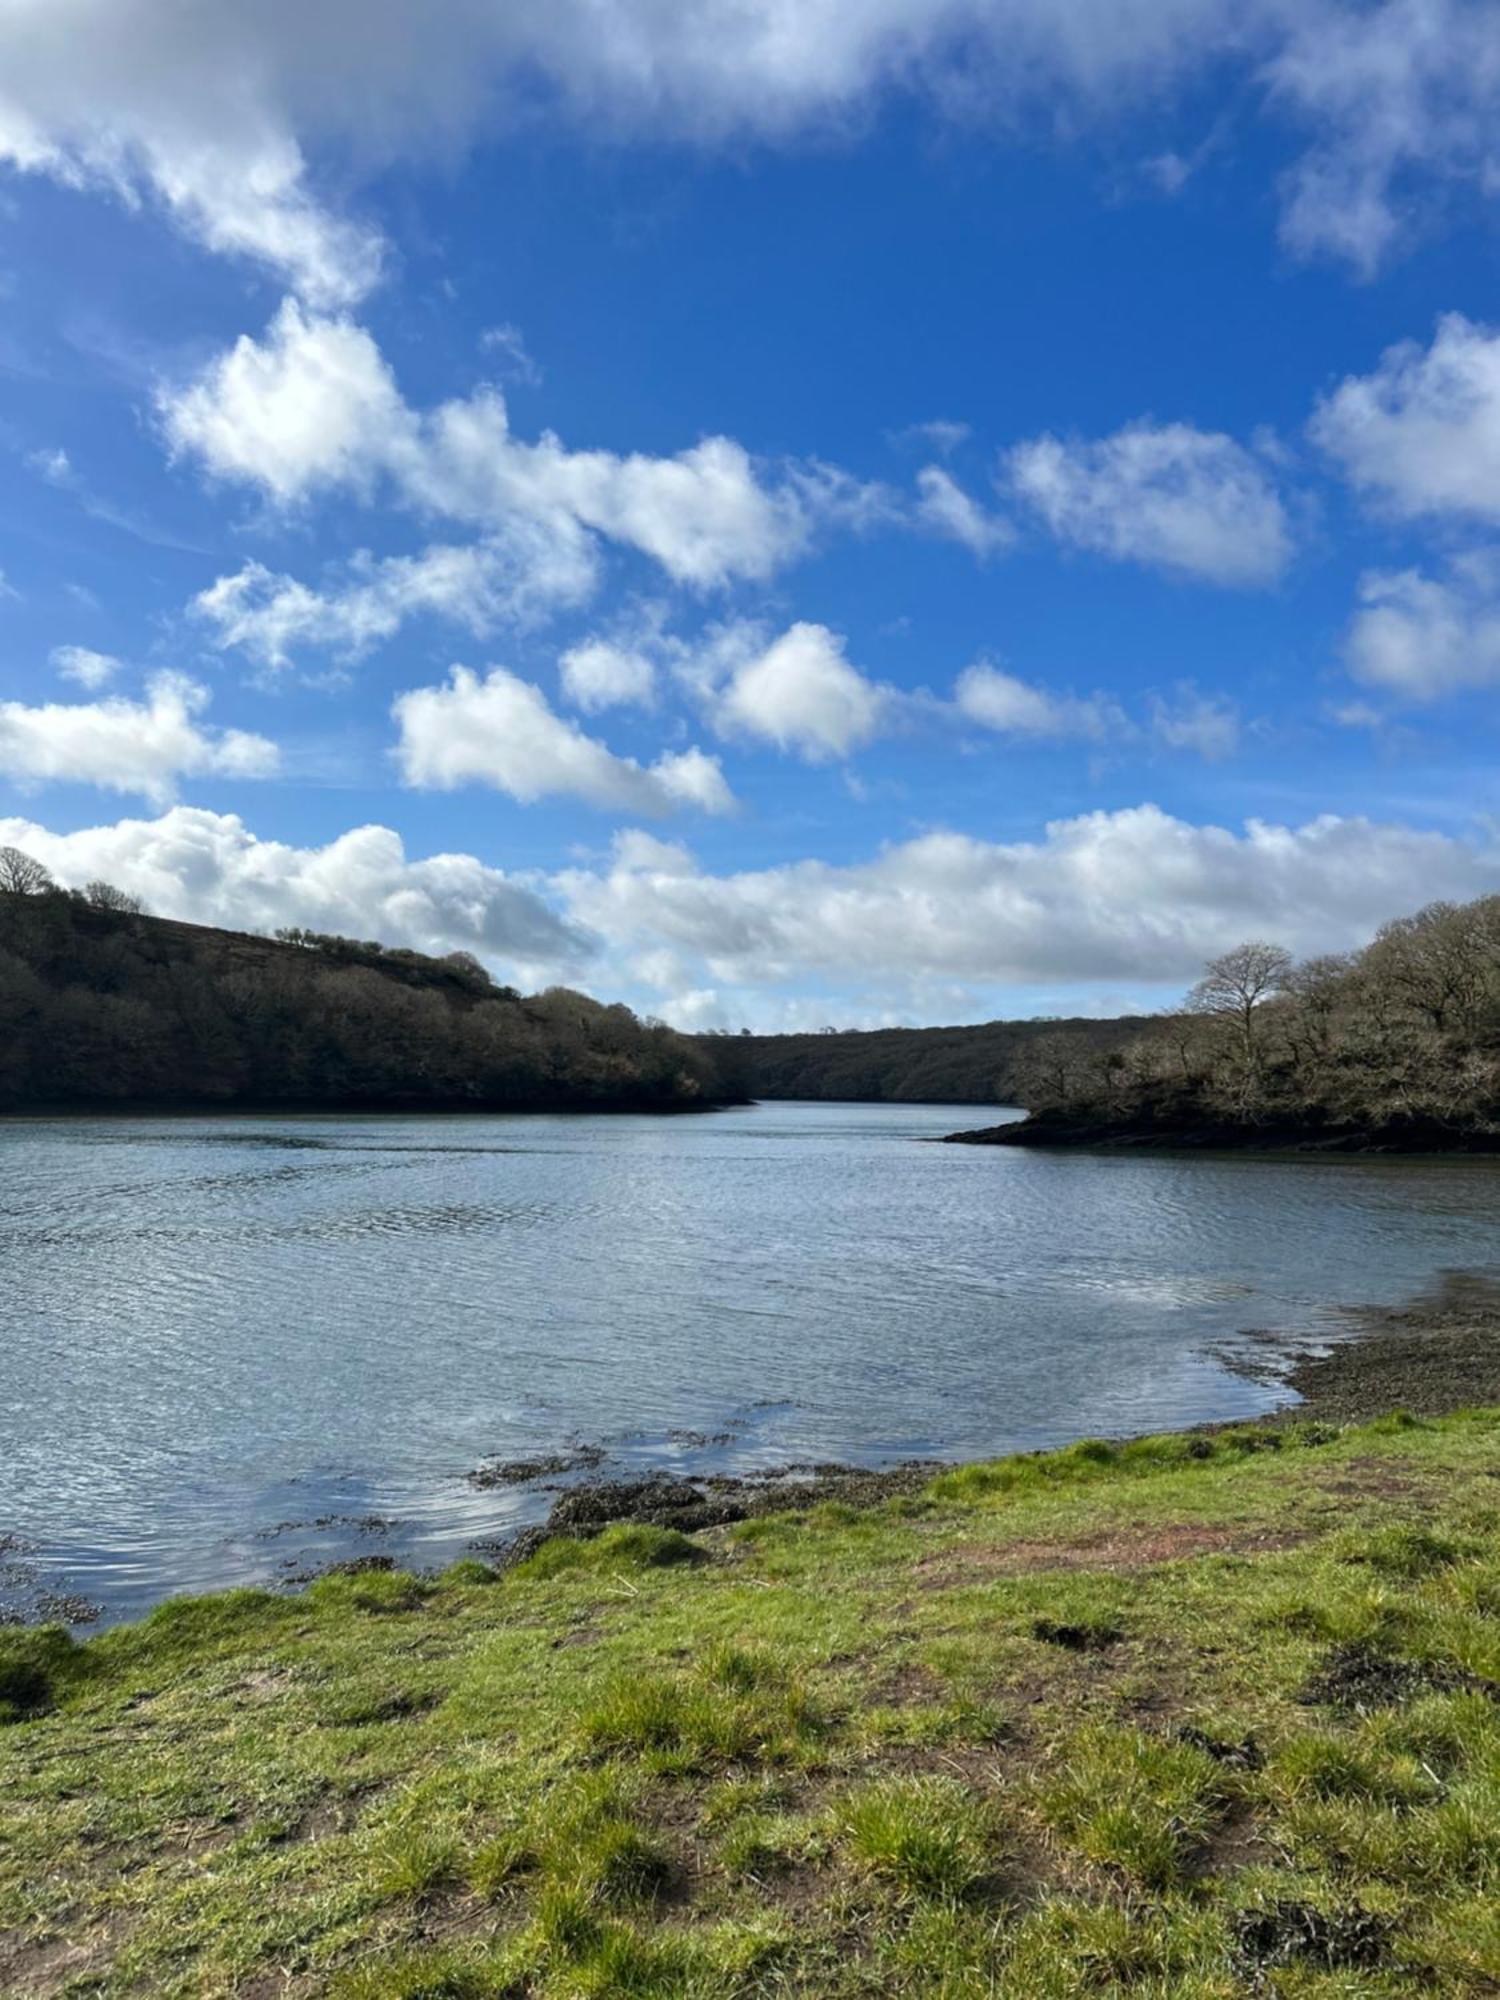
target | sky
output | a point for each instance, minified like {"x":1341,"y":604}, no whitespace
{"x":783,"y":512}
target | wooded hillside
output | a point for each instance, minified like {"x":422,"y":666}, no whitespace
{"x":1397,"y":1045}
{"x":101,"y":1005}
{"x":983,"y":1064}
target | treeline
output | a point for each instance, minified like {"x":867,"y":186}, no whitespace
{"x":102,"y":1005}
{"x":1398,"y":1045}
{"x":972,"y":1065}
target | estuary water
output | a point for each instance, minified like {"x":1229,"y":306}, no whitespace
{"x":232,"y":1349}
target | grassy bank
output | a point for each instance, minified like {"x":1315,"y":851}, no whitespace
{"x":1192,"y":1716}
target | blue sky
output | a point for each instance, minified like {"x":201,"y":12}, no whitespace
{"x":849,"y":513}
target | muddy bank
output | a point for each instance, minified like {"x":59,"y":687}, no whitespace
{"x":1413,"y":1138}
{"x":1438,"y":1353}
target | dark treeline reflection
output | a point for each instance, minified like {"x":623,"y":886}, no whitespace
{"x":102,"y":1004}
{"x":1399,"y":1042}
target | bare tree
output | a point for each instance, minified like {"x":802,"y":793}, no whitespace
{"x":21,"y":876}
{"x":1233,"y":986}
{"x":105,"y":896}
{"x":1048,"y":1071}
{"x":1439,"y":960}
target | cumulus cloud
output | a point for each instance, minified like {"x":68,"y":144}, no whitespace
{"x":82,"y":664}
{"x":1421,"y":434}
{"x":210,"y":868}
{"x":946,"y":509}
{"x":313,"y":407}
{"x":1129,"y":896}
{"x":143,"y":747}
{"x":228,"y":128}
{"x":513,"y":578}
{"x":310,"y":407}
{"x":599,"y":673}
{"x":1420,"y":636}
{"x":500,"y":731}
{"x":1003,"y":702}
{"x":1402,"y":97}
{"x":801,"y":693}
{"x":1192,"y":502}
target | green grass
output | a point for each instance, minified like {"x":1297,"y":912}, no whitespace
{"x":1185,"y":1717}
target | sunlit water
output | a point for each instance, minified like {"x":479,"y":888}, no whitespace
{"x":226,"y":1343}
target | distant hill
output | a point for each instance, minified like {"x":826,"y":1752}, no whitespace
{"x":973,"y":1065}
{"x":103,"y":1007}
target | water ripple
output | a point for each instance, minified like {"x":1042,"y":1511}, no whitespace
{"x":212,"y":1327}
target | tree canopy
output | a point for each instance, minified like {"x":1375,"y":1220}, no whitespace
{"x":100,"y":1005}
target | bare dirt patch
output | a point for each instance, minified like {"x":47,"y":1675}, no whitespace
{"x":1112,"y":1549}
{"x":46,"y":1964}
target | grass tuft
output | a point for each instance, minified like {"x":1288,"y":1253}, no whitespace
{"x":1135,"y":1803}
{"x":928,"y":1837}
{"x":626,"y":1546}
{"x":1407,"y":1553}
{"x":414,"y":1864}
{"x":700,"y":1721}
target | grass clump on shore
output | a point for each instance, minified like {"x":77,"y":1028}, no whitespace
{"x":1188,"y":1718}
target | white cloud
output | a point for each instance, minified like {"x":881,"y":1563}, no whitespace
{"x":118,"y":97}
{"x":1206,"y":723}
{"x":945,"y":508}
{"x":1135,"y":895}
{"x":128,"y":746}
{"x":313,"y":407}
{"x":1179,"y":499}
{"x":801,"y":693}
{"x":508,"y":344}
{"x":602,"y":674}
{"x":227,"y":124}
{"x":1421,"y":637}
{"x":500,"y":731}
{"x":1003,"y":702}
{"x":1421,"y":435}
{"x":1402,"y":96}
{"x":511,"y":578}
{"x":82,"y":664}
{"x":209,"y":868}
{"x":309,"y":408}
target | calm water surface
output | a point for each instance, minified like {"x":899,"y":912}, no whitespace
{"x":226,"y":1344}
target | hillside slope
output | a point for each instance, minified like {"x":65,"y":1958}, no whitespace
{"x":108,"y":1008}
{"x":980,"y":1064}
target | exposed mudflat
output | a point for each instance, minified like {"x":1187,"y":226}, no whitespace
{"x":1438,"y":1353}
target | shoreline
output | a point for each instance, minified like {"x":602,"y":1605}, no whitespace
{"x":1433,"y":1355}
{"x":1437,"y":1354}
{"x":1417,"y":1141}
{"x":1211,"y":1713}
